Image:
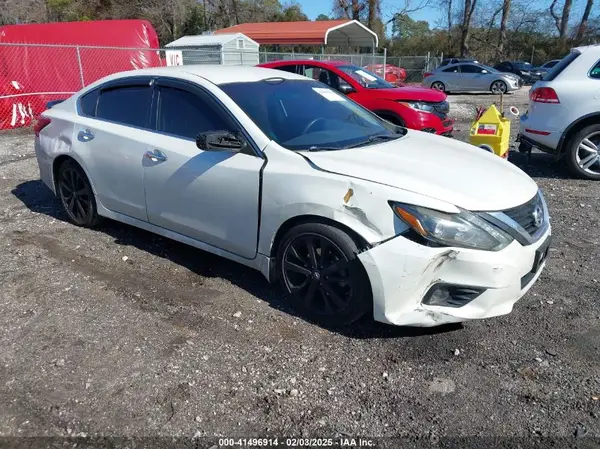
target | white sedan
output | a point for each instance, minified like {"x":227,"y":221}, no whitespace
{"x":276,"y":171}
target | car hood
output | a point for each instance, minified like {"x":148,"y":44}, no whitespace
{"x":413,"y":93}
{"x":437,"y":167}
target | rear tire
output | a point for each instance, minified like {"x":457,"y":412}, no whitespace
{"x":318,"y":268}
{"x":76,"y":194}
{"x":582,"y":153}
{"x":438,"y":85}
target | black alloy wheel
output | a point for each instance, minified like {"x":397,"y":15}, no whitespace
{"x":318,"y":267}
{"x":76,"y":194}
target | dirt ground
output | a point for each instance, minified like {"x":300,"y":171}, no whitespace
{"x":117,"y":332}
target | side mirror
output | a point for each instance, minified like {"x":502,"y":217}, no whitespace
{"x":346,"y":88}
{"x":220,"y":141}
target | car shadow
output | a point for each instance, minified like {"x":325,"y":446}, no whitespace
{"x":540,"y":165}
{"x":38,"y":198}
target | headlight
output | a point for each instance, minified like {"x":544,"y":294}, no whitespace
{"x":419,"y":105}
{"x":464,"y":229}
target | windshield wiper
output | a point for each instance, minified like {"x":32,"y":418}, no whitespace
{"x":377,"y":138}
{"x":316,"y":148}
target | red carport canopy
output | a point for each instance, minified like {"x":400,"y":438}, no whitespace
{"x":334,"y":33}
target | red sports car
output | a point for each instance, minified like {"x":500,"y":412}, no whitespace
{"x":393,"y":74}
{"x":417,"y":108}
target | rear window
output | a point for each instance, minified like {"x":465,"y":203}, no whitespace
{"x":128,"y":105}
{"x":563,"y":64}
{"x":595,"y":72}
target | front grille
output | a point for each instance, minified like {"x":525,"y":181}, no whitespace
{"x":530,"y":216}
{"x":441,"y":109}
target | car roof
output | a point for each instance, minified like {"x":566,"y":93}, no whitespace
{"x":216,"y":74}
{"x":308,"y":61}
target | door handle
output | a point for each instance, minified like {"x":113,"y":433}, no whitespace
{"x":85,"y":135}
{"x":156,"y":156}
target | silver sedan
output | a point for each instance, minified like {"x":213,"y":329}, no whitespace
{"x":471,"y":77}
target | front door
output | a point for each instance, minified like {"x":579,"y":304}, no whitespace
{"x":209,"y":196}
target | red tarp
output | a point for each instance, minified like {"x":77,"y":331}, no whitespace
{"x":31,"y":75}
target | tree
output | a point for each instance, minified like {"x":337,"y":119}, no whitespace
{"x":322,"y":17}
{"x":584,"y":22}
{"x":465,"y":26}
{"x":503,"y":23}
{"x":404,"y":27}
{"x":562,"y":21}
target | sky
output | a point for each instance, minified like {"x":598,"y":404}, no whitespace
{"x":312,"y":8}
{"x":433,"y":15}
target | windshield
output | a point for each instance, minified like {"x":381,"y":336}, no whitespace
{"x":305,"y":115}
{"x":365,"y":78}
{"x":523,"y":65}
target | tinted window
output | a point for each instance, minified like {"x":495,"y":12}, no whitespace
{"x":288,"y":68}
{"x":551,"y":64}
{"x":451,"y":69}
{"x":469,"y":68}
{"x":128,"y":105}
{"x":523,"y":66}
{"x":304,"y":114}
{"x":563,"y":64}
{"x":87,"y":103}
{"x":503,"y":67}
{"x":185,"y":114}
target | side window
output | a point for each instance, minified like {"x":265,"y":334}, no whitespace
{"x":88,"y":102}
{"x":311,"y":72}
{"x":453,"y":69}
{"x":503,"y":67}
{"x":288,"y":68}
{"x":127,"y":105}
{"x":185,"y":114}
{"x":468,"y":68}
{"x":595,"y":72}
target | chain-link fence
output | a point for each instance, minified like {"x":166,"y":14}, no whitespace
{"x":31,"y":75}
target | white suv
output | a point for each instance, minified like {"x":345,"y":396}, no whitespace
{"x":564,"y":112}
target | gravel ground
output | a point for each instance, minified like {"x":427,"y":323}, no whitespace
{"x":118,"y":332}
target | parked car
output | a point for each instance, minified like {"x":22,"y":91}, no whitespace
{"x":471,"y":77}
{"x":524,"y":70}
{"x":449,"y":61}
{"x":393,"y":74}
{"x":564,"y":113}
{"x":545,"y":68}
{"x":413,"y":107}
{"x":350,"y":213}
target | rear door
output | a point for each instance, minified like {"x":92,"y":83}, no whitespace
{"x":112,"y":134}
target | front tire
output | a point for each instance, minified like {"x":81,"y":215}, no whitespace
{"x":498,"y":87}
{"x":583,"y":153}
{"x":76,"y":194}
{"x":318,"y":268}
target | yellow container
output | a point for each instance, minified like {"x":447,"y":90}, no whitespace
{"x":491,"y":132}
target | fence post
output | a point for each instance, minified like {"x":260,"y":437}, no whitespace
{"x":384,"y":60}
{"x":80,"y":66}
{"x":427,"y":63}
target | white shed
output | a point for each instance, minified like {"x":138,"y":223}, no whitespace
{"x":224,"y":49}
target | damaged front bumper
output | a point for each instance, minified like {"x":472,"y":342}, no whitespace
{"x":410,"y":280}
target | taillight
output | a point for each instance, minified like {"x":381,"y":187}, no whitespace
{"x":544,"y":95}
{"x":40,"y":124}
{"x":425,"y":75}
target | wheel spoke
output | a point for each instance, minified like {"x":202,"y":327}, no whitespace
{"x":80,"y":209}
{"x":65,"y":187}
{"x":335,"y":267}
{"x":81,"y":192}
{"x":310,"y":292}
{"x":71,"y":204}
{"x":589,"y":146}
{"x":297,"y":268}
{"x":588,"y":161}
{"x":337,"y":300}
{"x":312,"y":254}
{"x":339,"y":280}
{"x":324,"y":249}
